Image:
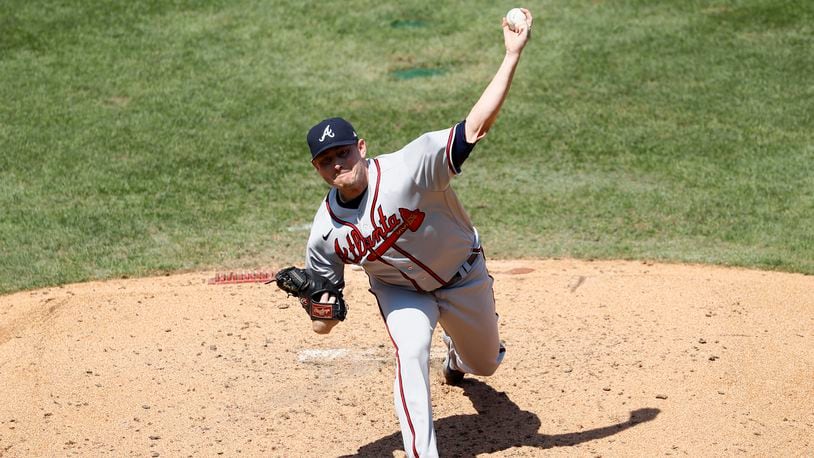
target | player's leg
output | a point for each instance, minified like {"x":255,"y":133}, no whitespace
{"x":410,"y":318}
{"x":468,"y":317}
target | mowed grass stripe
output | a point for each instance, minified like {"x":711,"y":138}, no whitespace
{"x":150,"y":137}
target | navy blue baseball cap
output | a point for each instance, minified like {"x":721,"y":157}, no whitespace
{"x":330,"y":133}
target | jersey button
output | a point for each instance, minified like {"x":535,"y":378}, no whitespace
{"x":409,"y":267}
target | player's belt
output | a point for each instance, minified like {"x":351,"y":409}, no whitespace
{"x":465,"y":267}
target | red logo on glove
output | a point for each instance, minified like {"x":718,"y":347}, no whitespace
{"x":322,"y":311}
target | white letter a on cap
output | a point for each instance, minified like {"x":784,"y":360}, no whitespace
{"x":326,"y":133}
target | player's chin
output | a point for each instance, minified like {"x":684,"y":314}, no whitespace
{"x":340,"y":183}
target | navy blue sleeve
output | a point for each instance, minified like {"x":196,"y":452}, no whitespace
{"x":460,"y":148}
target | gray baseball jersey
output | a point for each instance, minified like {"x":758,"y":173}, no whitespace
{"x":410,"y":229}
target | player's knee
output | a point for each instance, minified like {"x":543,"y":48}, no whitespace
{"x":486,"y":368}
{"x":487,"y":365}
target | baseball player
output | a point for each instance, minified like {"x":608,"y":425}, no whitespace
{"x":398,"y":218}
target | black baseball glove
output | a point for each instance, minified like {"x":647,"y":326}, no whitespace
{"x":309,"y":289}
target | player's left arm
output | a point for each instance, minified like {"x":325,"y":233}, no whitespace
{"x":322,"y":263}
{"x":485,"y":111}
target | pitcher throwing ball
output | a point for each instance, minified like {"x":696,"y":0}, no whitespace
{"x":397,"y":217}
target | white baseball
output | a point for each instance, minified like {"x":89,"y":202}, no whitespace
{"x":516,"y":19}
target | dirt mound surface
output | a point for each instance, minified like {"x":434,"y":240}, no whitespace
{"x":604,"y":358}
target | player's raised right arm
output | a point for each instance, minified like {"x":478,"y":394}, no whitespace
{"x":485,"y":111}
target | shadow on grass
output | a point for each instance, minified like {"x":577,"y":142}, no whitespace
{"x":499,"y":425}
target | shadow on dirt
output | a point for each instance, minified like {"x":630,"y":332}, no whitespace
{"x":499,"y":425}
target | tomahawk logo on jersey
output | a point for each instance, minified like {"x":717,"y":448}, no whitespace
{"x":371,"y":247}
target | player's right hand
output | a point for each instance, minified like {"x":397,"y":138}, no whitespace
{"x":516,"y":41}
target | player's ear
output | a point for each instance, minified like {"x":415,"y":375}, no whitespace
{"x":362,"y":147}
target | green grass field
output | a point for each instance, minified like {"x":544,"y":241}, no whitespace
{"x":157,"y":136}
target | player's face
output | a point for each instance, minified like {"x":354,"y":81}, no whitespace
{"x":343,"y":167}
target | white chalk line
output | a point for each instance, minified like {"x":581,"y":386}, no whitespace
{"x":321,"y":355}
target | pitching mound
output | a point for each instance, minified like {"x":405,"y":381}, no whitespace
{"x":603,"y":358}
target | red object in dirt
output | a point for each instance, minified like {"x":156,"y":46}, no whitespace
{"x":232,"y":278}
